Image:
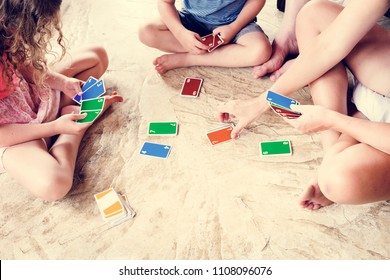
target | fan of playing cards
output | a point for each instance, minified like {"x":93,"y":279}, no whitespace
{"x":91,"y":102}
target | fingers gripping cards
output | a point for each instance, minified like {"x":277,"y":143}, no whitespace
{"x":280,"y":104}
{"x":212,"y":41}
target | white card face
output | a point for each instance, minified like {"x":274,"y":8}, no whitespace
{"x":109,"y":204}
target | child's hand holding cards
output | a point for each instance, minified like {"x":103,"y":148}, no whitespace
{"x":91,"y":107}
{"x":92,"y":88}
{"x":280,"y":104}
{"x":212,"y":41}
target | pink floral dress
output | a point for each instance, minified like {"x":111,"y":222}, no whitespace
{"x":24,"y":103}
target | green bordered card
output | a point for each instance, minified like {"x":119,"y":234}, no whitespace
{"x":91,"y":107}
{"x":276,"y":148}
{"x":163,"y":128}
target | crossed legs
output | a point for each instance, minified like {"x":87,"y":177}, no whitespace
{"x":351,"y":172}
{"x":251,"y":49}
{"x":49,"y":174}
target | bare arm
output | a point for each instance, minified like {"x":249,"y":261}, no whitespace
{"x":190,"y":41}
{"x":332,"y":45}
{"x":317,"y":118}
{"x":250,"y":10}
{"x":169,"y":16}
{"x":248,"y":13}
{"x":13,"y":134}
{"x":68,"y":85}
{"x":284,"y":43}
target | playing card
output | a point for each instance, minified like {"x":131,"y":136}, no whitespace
{"x":208,"y":40}
{"x":96,"y":90}
{"x":163,"y":128}
{"x":191,"y":87}
{"x":284,"y":112}
{"x":92,"y":104}
{"x":220,"y":135}
{"x":280,"y":100}
{"x":89,"y":83}
{"x":126,"y":203}
{"x":217,"y":42}
{"x":110,"y":205}
{"x":155,"y":150}
{"x":114,"y":207}
{"x":91,"y":116}
{"x":276,"y":148}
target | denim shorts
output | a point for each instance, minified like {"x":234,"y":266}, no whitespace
{"x":203,"y":29}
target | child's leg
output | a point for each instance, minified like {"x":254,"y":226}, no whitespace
{"x":47,"y":175}
{"x":351,"y":173}
{"x":251,"y":49}
{"x":83,"y":63}
{"x":330,"y":90}
{"x":155,"y":34}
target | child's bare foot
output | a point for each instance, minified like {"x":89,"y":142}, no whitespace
{"x":168,"y":62}
{"x":312,"y":198}
{"x":111,"y":99}
{"x":275,"y":75}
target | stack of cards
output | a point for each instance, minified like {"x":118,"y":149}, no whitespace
{"x":221,"y":134}
{"x":281,"y":105}
{"x":91,"y":107}
{"x":92,"y":88}
{"x":276,"y":148}
{"x":163,"y":128}
{"x":114,"y":207}
{"x":191,"y":87}
{"x":212,"y":41}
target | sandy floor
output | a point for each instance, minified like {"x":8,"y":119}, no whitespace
{"x":203,"y":202}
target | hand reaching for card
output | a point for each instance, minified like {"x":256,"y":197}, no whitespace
{"x":246,"y":111}
{"x":314,"y":118}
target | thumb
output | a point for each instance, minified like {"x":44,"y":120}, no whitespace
{"x":237,"y":130}
{"x":296,"y":108}
{"x":76,"y":117}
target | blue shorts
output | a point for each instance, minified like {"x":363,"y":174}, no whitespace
{"x":204,"y":29}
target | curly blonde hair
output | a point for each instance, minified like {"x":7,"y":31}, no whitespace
{"x":26,"y":29}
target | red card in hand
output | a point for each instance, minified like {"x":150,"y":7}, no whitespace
{"x":212,"y":41}
{"x":217,"y":42}
{"x":220,"y":135}
{"x":191,"y":87}
{"x":208,"y":40}
{"x":285,"y":113}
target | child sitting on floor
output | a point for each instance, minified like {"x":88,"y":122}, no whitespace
{"x":180,"y":32}
{"x":35,"y":101}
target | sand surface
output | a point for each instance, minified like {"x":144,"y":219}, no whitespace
{"x":203,"y":202}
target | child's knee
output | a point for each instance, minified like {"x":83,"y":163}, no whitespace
{"x":101,"y":56}
{"x":53,"y":187}
{"x":146,"y":34}
{"x":259,"y":53}
{"x":339,"y":183}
